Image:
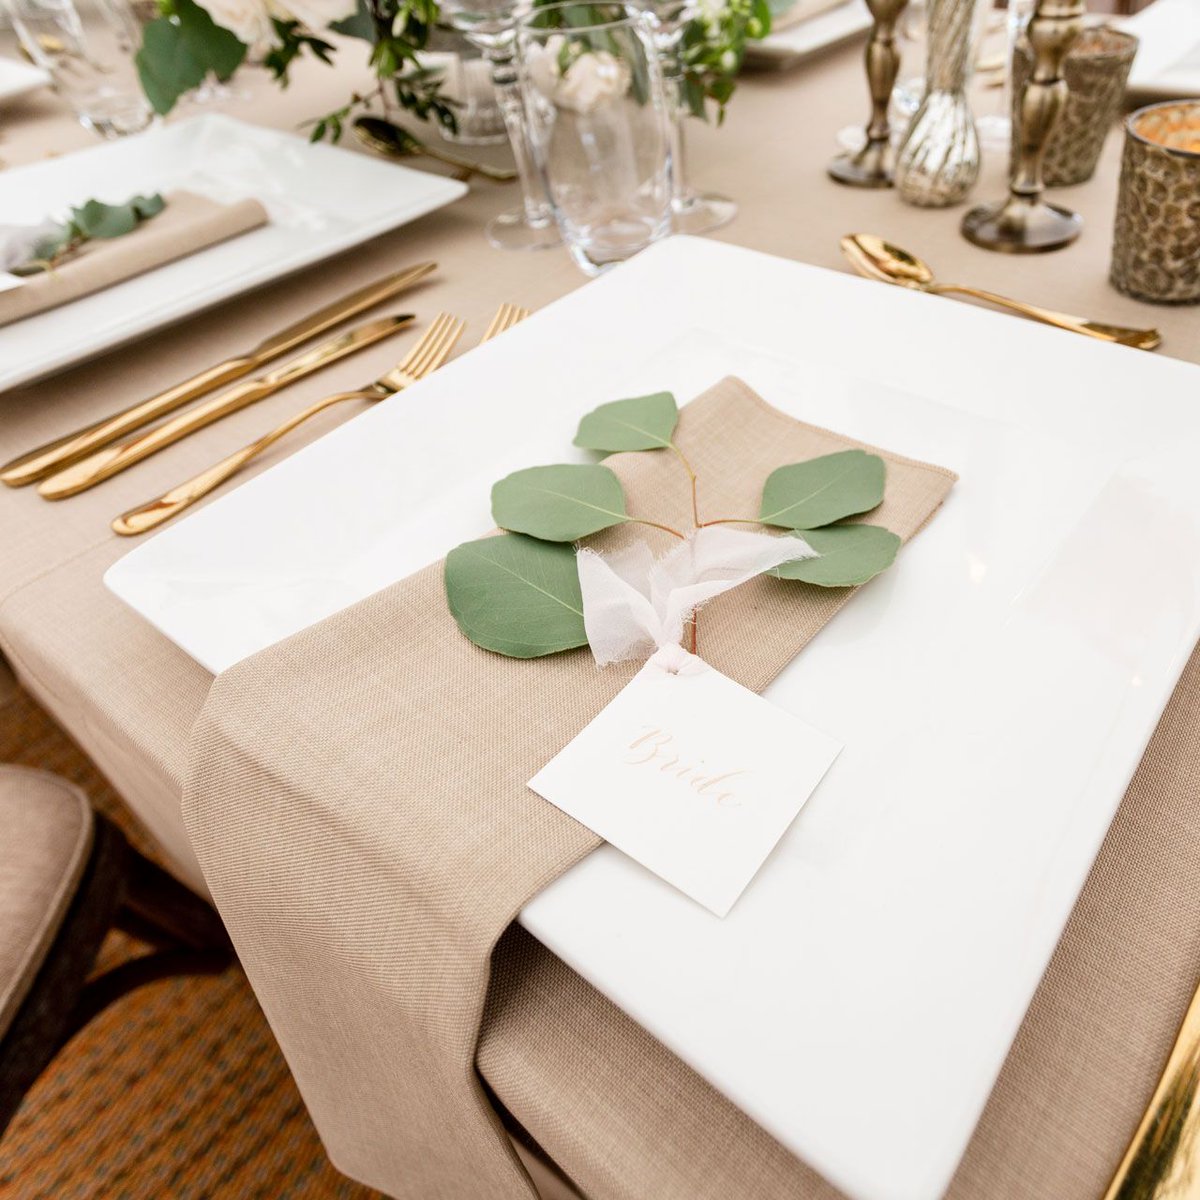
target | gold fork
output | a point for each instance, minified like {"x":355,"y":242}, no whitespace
{"x":507,"y":315}
{"x":426,"y":356}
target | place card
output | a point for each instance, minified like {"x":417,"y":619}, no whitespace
{"x":691,"y":774}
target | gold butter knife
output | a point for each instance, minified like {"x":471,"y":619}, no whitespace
{"x":53,"y":456}
{"x":108,"y":461}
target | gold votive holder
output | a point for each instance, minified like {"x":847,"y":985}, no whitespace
{"x":1096,"y":70}
{"x":1156,"y":240}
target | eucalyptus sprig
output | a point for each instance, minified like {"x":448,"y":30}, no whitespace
{"x":92,"y":220}
{"x":518,"y":593}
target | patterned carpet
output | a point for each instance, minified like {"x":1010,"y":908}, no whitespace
{"x":176,"y":1092}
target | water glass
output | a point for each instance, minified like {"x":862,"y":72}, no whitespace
{"x":88,"y":49}
{"x":599,"y":126}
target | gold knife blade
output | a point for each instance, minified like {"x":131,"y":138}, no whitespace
{"x":53,"y":456}
{"x":108,"y":461}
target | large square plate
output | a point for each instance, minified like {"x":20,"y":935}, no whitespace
{"x":320,"y":200}
{"x":19,"y":79}
{"x":1167,"y":65}
{"x":807,"y":39}
{"x":994,"y":691}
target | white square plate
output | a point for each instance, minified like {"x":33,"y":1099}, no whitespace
{"x":1168,"y":59}
{"x":994,"y":691}
{"x":320,"y":199}
{"x":804,"y":40}
{"x":19,"y":79}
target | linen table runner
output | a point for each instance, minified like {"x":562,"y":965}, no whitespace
{"x":357,"y":799}
{"x":188,"y":224}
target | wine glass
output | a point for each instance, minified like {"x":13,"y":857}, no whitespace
{"x":490,"y":25}
{"x":89,"y":53}
{"x":694,"y":212}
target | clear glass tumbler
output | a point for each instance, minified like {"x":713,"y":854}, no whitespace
{"x":490,"y":25}
{"x":599,"y":125}
{"x":88,"y":49}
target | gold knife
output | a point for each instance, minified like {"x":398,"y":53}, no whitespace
{"x":45,"y":460}
{"x":108,"y":461}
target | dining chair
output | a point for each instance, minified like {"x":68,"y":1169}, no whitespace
{"x":67,"y":877}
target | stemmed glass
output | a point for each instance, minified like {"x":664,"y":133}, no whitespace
{"x":694,"y":212}
{"x":89,"y":55}
{"x":490,"y":25}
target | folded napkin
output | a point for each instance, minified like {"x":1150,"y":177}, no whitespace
{"x":357,"y":798}
{"x":787,"y":15}
{"x":188,"y":223}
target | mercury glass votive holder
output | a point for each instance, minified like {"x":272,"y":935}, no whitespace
{"x":1096,"y":70}
{"x":1156,"y":240}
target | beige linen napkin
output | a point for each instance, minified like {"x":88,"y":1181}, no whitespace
{"x":187,"y":224}
{"x":357,"y":798}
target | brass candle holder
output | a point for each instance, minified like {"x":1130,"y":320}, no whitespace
{"x":874,"y":165}
{"x":1025,"y":223}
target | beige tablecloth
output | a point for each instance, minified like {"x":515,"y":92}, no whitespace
{"x":1099,"y":1028}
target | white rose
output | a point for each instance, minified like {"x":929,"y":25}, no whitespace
{"x":541,"y":64}
{"x":248,"y":20}
{"x":319,"y":14}
{"x":592,"y":80}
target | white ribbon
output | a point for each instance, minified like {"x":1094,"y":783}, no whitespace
{"x":635,"y":604}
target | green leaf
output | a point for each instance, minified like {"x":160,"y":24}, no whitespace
{"x":560,"y":503}
{"x":516,"y":595}
{"x":822,"y":490}
{"x":642,"y":423}
{"x":360,"y":24}
{"x":218,"y":48}
{"x":167,"y":65}
{"x":850,"y":555}
{"x":178,"y":52}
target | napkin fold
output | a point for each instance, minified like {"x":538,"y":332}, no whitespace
{"x":187,"y":224}
{"x":357,"y":797}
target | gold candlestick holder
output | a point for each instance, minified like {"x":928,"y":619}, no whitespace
{"x":874,"y":165}
{"x":1025,"y":223}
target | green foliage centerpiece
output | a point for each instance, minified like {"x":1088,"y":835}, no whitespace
{"x":189,"y":41}
{"x":518,"y":592}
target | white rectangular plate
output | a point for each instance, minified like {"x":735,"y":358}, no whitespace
{"x":321,"y":200}
{"x":1168,"y":59}
{"x":802,"y":41}
{"x":19,"y":79}
{"x":994,"y":691}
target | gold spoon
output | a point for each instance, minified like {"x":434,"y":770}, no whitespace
{"x":391,"y":140}
{"x":878,"y":259}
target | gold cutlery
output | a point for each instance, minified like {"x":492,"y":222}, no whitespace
{"x":45,"y":460}
{"x":426,"y":356}
{"x":507,"y":315}
{"x":110,"y":460}
{"x":1163,"y":1160}
{"x":879,"y":259}
{"x":392,"y":141}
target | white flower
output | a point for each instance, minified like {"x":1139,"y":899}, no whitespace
{"x":248,"y":20}
{"x":319,"y":14}
{"x":19,"y":243}
{"x":711,"y":12}
{"x":590,"y":80}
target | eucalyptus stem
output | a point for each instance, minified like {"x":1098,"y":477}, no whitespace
{"x":665,"y":528}
{"x":731,"y":521}
{"x":687,"y":466}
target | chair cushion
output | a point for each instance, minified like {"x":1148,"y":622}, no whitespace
{"x":46,"y":830}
